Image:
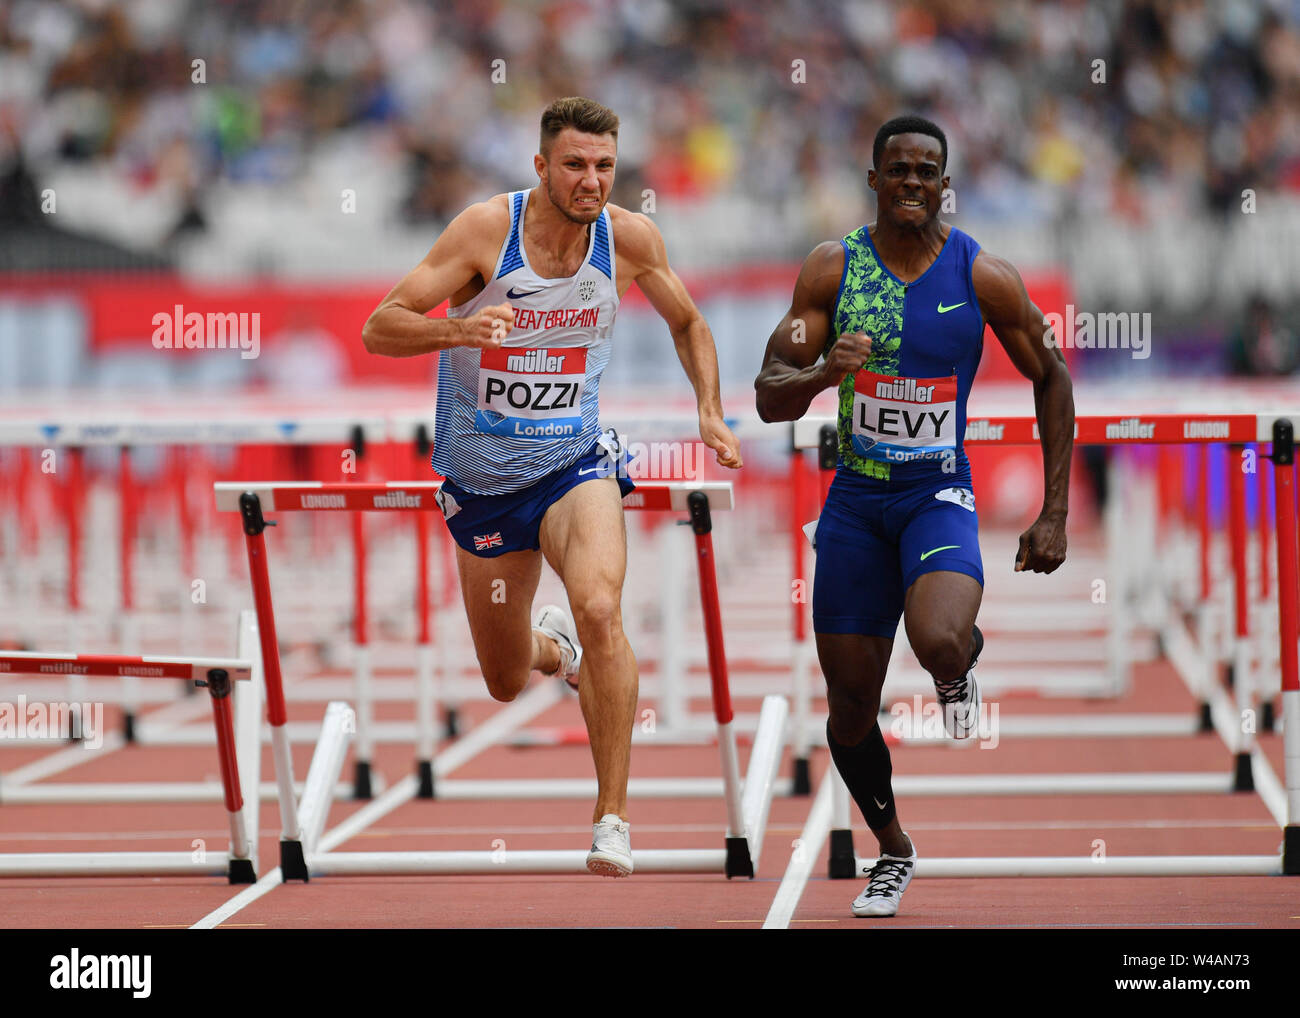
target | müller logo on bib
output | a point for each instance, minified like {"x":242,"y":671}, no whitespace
{"x":899,"y":419}
{"x":531,"y":393}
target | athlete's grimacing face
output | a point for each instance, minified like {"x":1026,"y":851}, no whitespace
{"x":909,"y":183}
{"x":578,"y":173}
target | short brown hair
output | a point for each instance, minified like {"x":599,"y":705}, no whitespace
{"x":581,"y":114}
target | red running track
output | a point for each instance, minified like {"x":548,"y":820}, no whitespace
{"x":947,"y":827}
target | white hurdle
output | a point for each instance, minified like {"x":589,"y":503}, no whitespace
{"x":742,"y":853}
{"x":747,"y":806}
{"x":224,"y":678}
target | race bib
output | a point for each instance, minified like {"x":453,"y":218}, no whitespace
{"x":900,"y":419}
{"x":531,"y":393}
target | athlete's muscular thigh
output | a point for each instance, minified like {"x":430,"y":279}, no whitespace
{"x":498,"y":602}
{"x":584,"y":538}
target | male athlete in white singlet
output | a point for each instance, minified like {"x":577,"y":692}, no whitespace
{"x":534,"y":279}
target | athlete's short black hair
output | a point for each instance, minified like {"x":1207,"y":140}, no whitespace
{"x":908,"y":125}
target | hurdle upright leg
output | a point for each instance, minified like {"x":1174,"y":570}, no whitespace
{"x":293,"y":864}
{"x":361,"y":784}
{"x":802,"y":778}
{"x":126,"y":561}
{"x":1243,"y":680}
{"x":365,"y":714}
{"x":1288,"y":593}
{"x":73,"y":499}
{"x":1264,"y":626}
{"x":1205,"y":617}
{"x":1123,"y":596}
{"x":218,"y":683}
{"x":425,"y":684}
{"x":739,"y":859}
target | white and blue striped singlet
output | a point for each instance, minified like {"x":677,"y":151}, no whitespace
{"x":508,"y":417}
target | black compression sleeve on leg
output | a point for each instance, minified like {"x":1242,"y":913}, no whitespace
{"x":867,"y":771}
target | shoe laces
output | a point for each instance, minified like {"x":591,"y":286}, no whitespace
{"x":952,"y":690}
{"x":887,"y":877}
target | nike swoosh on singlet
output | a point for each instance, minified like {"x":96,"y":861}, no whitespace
{"x":945,"y":547}
{"x":511,"y":295}
{"x":944,"y":310}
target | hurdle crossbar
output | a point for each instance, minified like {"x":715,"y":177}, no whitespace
{"x":193,"y":668}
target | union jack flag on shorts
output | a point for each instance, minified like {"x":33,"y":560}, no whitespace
{"x":487,"y":541}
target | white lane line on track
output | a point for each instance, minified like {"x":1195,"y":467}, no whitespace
{"x":60,"y":760}
{"x":245,"y":897}
{"x":802,"y":860}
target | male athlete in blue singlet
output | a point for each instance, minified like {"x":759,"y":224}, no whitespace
{"x":898,"y":310}
{"x":535,"y":279}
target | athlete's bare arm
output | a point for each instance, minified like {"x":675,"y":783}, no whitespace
{"x":644,"y":260}
{"x":791,"y":376}
{"x":455,"y":269}
{"x":1022,"y":330}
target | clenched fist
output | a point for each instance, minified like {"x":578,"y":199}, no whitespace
{"x":488,"y":327}
{"x":848,"y":355}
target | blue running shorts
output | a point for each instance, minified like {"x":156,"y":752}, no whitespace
{"x":492,"y":525}
{"x":873,"y":541}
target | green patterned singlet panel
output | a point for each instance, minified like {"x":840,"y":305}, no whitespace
{"x":871,"y":301}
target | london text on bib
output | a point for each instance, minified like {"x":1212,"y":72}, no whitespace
{"x":901,"y":419}
{"x":531,"y":393}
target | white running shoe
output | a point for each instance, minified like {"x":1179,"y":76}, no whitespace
{"x":889,"y":878}
{"x":960,"y":698}
{"x":554,"y":622}
{"x":611,"y":850}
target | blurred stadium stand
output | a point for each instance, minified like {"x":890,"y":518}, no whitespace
{"x":327,"y":143}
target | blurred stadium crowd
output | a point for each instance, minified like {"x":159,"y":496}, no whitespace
{"x":1117,"y":138}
